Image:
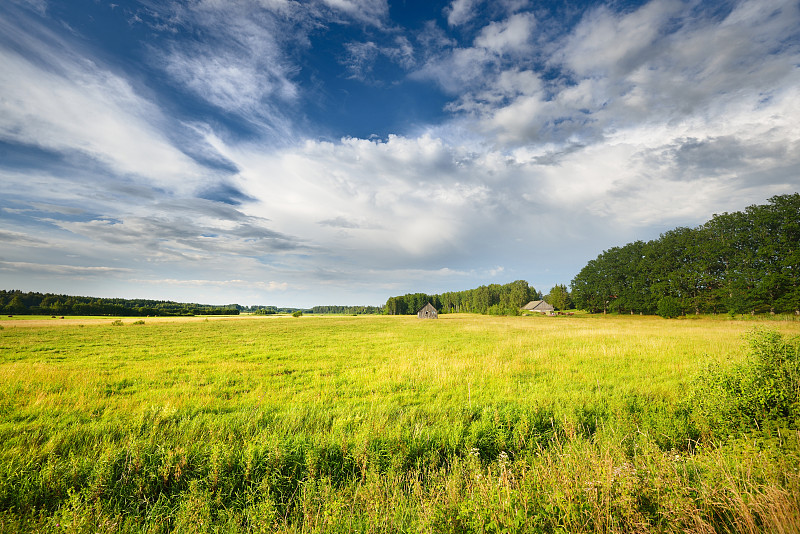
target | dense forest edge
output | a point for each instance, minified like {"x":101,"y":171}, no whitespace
{"x":736,"y":263}
{"x":494,"y":299}
{"x":33,"y":303}
{"x":16,"y":302}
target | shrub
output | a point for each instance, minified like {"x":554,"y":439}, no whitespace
{"x":497,"y":309}
{"x":117,"y":322}
{"x":298,"y":313}
{"x":763,"y":390}
{"x":668,"y":307}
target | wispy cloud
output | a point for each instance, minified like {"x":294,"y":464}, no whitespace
{"x":247,"y":284}
{"x":18,"y":238}
{"x":461,"y":11}
{"x":371,"y":12}
{"x":57,"y":100}
{"x":62,"y":270}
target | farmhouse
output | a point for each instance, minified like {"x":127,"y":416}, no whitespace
{"x":539,"y":306}
{"x":428,"y":312}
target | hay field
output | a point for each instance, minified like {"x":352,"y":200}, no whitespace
{"x":382,"y":424}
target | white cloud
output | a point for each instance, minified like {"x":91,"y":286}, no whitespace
{"x":510,"y":35}
{"x":658,"y":65}
{"x":245,"y":284}
{"x":644,"y":120}
{"x":241,"y":65}
{"x":229,"y":82}
{"x":369,"y":11}
{"x":605,"y":43}
{"x":53,"y":99}
{"x":62,"y":270}
{"x":461,"y":11}
{"x":360,"y":59}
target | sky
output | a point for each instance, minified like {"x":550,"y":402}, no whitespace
{"x":322,"y":152}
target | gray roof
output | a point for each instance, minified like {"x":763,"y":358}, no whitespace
{"x":538,"y":305}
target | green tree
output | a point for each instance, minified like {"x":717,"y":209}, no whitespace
{"x":559,"y":297}
{"x":16,"y":305}
{"x":669,"y":307}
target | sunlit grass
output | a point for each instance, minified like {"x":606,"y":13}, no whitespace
{"x":356,"y":423}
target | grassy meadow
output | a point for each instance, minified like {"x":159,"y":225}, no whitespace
{"x":390,"y":424}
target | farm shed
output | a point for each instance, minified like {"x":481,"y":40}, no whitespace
{"x":539,"y":306}
{"x":428,"y":312}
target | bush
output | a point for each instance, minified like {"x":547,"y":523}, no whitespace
{"x":497,"y":309}
{"x":668,"y":307}
{"x":763,"y":391}
{"x":298,"y":313}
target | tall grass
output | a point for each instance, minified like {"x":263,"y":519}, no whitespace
{"x":384,"y":424}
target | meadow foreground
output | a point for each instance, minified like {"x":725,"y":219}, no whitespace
{"x":391,"y":424}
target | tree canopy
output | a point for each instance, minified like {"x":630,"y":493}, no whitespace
{"x":494,"y":299}
{"x":741,"y":262}
{"x":17,"y":302}
{"x":559,"y":297}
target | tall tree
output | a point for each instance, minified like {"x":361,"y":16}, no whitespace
{"x":559,"y":297}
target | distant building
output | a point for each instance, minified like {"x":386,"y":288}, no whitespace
{"x":539,"y":306}
{"x":428,"y":312}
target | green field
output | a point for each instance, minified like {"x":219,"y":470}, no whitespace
{"x":388,"y":424}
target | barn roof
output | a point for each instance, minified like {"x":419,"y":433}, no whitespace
{"x":538,"y":305}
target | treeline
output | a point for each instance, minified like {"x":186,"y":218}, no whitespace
{"x":31,"y":303}
{"x":347,"y":310}
{"x":270,"y":310}
{"x":741,"y":262}
{"x":494,"y":299}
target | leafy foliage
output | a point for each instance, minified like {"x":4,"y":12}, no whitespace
{"x":17,"y":302}
{"x":347,"y":310}
{"x":742,"y":262}
{"x":668,"y":307}
{"x":559,"y":297}
{"x":763,"y":390}
{"x":494,"y":299}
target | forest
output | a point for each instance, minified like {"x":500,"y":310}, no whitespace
{"x":32,"y":303}
{"x":346,"y":310}
{"x":736,"y":263}
{"x":494,"y":299}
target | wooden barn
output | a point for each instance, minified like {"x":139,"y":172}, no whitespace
{"x":428,"y":312}
{"x":539,"y":306}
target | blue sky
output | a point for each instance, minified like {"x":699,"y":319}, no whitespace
{"x":344,"y":151}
